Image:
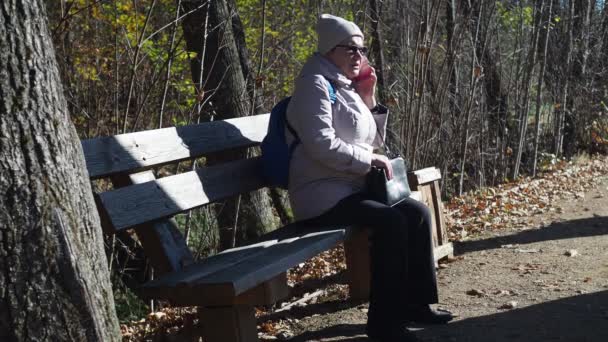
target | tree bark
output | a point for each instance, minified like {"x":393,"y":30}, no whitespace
{"x":224,"y":84}
{"x":604,"y":35}
{"x":54,"y":280}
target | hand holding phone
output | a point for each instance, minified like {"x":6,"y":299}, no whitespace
{"x":365,"y":83}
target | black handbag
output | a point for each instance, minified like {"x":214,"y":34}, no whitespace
{"x":389,"y":192}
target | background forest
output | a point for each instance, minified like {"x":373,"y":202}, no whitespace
{"x":487,"y":91}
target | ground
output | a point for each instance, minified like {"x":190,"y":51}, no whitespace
{"x":530,"y":264}
{"x":543,"y":279}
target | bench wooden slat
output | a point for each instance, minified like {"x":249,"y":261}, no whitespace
{"x":423,"y":176}
{"x":163,"y":243}
{"x":136,"y":204}
{"x":209,"y":265}
{"x":281,"y":256}
{"x":135,"y":151}
{"x":222,"y":286}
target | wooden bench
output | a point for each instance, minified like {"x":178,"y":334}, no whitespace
{"x":226,"y":286}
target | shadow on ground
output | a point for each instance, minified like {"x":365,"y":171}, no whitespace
{"x":582,"y":318}
{"x":340,"y":332}
{"x":593,"y":226}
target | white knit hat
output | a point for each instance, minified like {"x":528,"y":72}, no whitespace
{"x":332,"y":30}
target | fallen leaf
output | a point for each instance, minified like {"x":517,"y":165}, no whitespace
{"x":157,"y":315}
{"x":509,"y":246}
{"x":508,"y":305}
{"x":571,"y":253}
{"x":527,"y":250}
{"x":502,"y":293}
{"x":475,"y":292}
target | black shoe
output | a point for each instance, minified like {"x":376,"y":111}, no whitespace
{"x":391,"y":334}
{"x":425,"y":314}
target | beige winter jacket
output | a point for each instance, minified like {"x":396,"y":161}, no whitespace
{"x":337,"y":140}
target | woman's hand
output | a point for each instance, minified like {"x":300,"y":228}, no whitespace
{"x":365,"y":84}
{"x":382,"y":161}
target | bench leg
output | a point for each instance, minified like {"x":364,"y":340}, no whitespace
{"x":228,"y":323}
{"x":356,"y":250}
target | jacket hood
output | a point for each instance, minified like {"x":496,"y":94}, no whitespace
{"x":318,"y":64}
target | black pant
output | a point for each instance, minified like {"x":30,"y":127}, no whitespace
{"x":402,"y":264}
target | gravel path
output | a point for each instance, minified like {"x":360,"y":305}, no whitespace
{"x":545,"y":282}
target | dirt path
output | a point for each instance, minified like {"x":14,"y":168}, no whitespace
{"x":511,"y":285}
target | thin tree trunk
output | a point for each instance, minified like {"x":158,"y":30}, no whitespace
{"x":525,"y":106}
{"x":54,"y":279}
{"x":541,"y":77}
{"x":474,"y":76}
{"x":378,"y":48}
{"x":169,"y":64}
{"x":578,"y":73}
{"x":563,"y":113}
{"x":496,"y":93}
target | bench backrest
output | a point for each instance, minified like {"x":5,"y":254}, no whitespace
{"x":152,"y":199}
{"x":145,"y":203}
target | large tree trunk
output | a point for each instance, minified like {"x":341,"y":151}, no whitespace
{"x":223,"y":80}
{"x":54,"y":280}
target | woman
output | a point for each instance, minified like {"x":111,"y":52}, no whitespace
{"x":327,"y":178}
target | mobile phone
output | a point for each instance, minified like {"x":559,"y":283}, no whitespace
{"x":365,"y":71}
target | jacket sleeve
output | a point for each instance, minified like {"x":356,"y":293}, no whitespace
{"x":310,"y":113}
{"x":380,"y":114}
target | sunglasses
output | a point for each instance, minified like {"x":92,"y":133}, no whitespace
{"x":352,"y":49}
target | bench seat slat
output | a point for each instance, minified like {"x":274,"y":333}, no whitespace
{"x":276,"y":258}
{"x":136,"y":204}
{"x":223,"y":285}
{"x":132,"y":152}
{"x":209,"y":265}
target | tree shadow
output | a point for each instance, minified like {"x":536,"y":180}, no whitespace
{"x":586,"y":227}
{"x":322,"y":308}
{"x":581,"y":318}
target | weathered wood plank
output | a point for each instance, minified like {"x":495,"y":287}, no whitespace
{"x":229,"y":324}
{"x":209,"y":265}
{"x":227,"y":281}
{"x":438,"y":213}
{"x":423,"y":176}
{"x":136,"y":204}
{"x":445,"y":250}
{"x":267,"y":293}
{"x":427,"y":198}
{"x":358,"y":264}
{"x":275,"y":259}
{"x":136,"y":151}
{"x":161,"y":240}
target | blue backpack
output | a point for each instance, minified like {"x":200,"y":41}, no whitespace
{"x":276,"y":153}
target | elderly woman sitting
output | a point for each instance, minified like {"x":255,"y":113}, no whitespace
{"x":327,"y":179}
